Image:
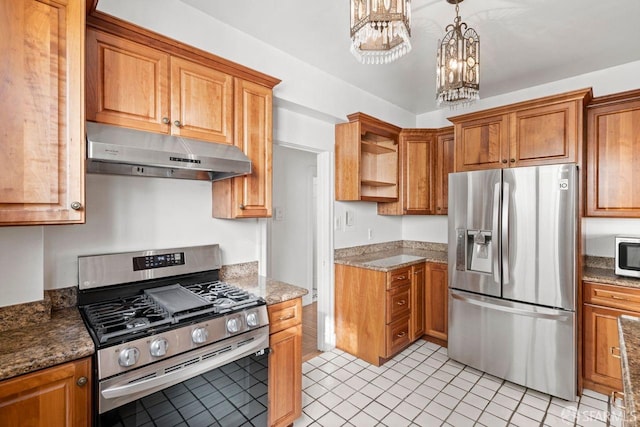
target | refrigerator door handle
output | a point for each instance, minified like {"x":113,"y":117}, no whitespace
{"x":515,"y":310}
{"x":495,"y":231}
{"x":505,"y":233}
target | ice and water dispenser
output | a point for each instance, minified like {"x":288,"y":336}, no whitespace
{"x":474,"y":250}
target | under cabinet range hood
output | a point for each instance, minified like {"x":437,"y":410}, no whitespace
{"x":122,"y":151}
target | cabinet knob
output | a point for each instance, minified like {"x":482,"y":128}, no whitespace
{"x":76,"y":206}
{"x":177,"y":123}
{"x":438,"y":209}
{"x":504,"y":160}
{"x":82,"y":381}
{"x":513,"y":160}
{"x":166,"y":120}
{"x":402,"y":302}
{"x":401,"y":334}
{"x":241,"y":206}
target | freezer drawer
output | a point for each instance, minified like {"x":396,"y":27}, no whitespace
{"x":525,"y":344}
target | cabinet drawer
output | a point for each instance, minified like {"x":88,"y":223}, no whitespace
{"x":398,"y":303}
{"x":398,"y":277}
{"x":612,"y":296}
{"x":397,"y":336}
{"x":284,"y":315}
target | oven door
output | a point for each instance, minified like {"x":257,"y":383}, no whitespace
{"x":223,"y":384}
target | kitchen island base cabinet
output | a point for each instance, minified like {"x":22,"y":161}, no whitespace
{"x":59,"y":396}
{"x":285,"y":362}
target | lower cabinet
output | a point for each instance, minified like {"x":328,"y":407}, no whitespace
{"x":285,"y":362}
{"x":59,"y":396}
{"x":436,"y":299}
{"x":601,"y":355}
{"x":417,"y":301}
{"x":377,"y":314}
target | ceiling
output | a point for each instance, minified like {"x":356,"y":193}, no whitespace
{"x":523,"y":42}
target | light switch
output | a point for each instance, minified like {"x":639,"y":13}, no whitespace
{"x":278,"y":213}
{"x":349,"y":218}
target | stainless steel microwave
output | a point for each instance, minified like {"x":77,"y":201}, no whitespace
{"x":628,"y":256}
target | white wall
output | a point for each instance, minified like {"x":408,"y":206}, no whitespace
{"x":20,"y":265}
{"x":384,"y":228}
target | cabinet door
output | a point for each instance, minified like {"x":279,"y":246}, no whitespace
{"x":418,"y":162}
{"x":482,"y":143}
{"x":417,"y":301}
{"x":613,"y":165}
{"x":444,"y":166}
{"x":53,"y":397}
{"x":201,"y":102}
{"x":436,"y":301}
{"x":285,"y":376}
{"x":249,"y":196}
{"x":544,"y":135}
{"x":42,"y":91}
{"x":127,"y":83}
{"x":601,"y":346}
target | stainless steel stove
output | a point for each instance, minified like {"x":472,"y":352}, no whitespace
{"x":162,"y":319}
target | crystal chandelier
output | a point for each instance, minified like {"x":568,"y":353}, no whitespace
{"x":458,"y":72}
{"x":380,"y":30}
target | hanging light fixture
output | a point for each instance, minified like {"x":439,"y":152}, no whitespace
{"x":380,"y":30}
{"x":458,"y":73}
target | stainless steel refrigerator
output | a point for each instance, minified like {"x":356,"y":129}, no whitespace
{"x":512,"y":274}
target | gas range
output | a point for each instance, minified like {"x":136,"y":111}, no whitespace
{"x":159,"y":317}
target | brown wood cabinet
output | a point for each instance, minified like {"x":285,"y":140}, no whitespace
{"x":366,"y":162}
{"x":54,"y":397}
{"x":133,"y":85}
{"x":601,"y":352}
{"x":613,"y":165}
{"x":285,"y":362}
{"x":436,"y":303}
{"x":417,"y":301}
{"x":249,"y":196}
{"x":375,"y":313}
{"x":542,"y":131}
{"x":42,"y":87}
{"x":445,"y":164}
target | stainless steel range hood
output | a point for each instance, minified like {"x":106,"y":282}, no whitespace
{"x":122,"y":151}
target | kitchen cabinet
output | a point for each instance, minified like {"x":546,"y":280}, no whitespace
{"x":436,"y":303}
{"x":249,"y":196}
{"x":444,"y":166}
{"x":53,"y":397}
{"x":374,"y":311}
{"x":613,"y":166}
{"x":601,"y":352}
{"x":366,"y":163}
{"x":537,"y":132}
{"x":133,"y":85}
{"x":417,"y":301}
{"x":42,"y":87}
{"x":285,"y":362}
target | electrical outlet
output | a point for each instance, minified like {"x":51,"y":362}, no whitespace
{"x":349,"y":218}
{"x":370,"y":233}
{"x":338,"y":225}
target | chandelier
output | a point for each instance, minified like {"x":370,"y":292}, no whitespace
{"x":380,"y":30}
{"x":458,"y":72}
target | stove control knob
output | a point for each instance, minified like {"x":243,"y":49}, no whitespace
{"x":252,"y":319}
{"x":128,"y":357}
{"x":158,"y":347}
{"x":233,"y":325}
{"x":199,"y":335}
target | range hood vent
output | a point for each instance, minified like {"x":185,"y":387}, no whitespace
{"x":122,"y":151}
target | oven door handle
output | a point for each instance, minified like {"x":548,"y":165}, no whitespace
{"x":186,"y":373}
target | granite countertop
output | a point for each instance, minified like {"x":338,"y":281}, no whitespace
{"x":273,"y":291}
{"x":629,"y":334}
{"x":607,"y":276}
{"x":62,"y":338}
{"x":391,"y":259}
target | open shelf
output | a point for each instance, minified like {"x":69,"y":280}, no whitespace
{"x":377,"y":183}
{"x":373,"y":148}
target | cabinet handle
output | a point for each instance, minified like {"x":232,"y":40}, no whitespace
{"x":438,"y":209}
{"x":287,"y":317}
{"x":401,"y":334}
{"x":177,"y":123}
{"x":242,"y":206}
{"x":81,"y":381}
{"x":617,"y":395}
{"x":618,"y":297}
{"x":166,"y":120}
{"x":615,"y":352}
{"x":76,"y":206}
{"x":400,"y":278}
{"x":504,"y":160}
{"x":513,"y":160}
{"x":401,"y":302}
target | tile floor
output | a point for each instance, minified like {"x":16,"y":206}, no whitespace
{"x":422,"y":387}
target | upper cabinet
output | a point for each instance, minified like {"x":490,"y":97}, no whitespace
{"x":366,"y":153}
{"x":538,"y":132}
{"x":130,"y":84}
{"x":42,"y":87}
{"x":613,"y":164}
{"x":444,"y":166}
